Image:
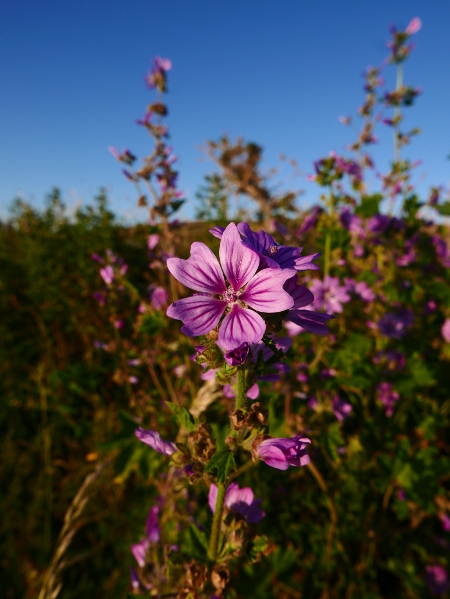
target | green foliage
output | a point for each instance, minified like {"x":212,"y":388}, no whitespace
{"x":185,"y":419}
{"x":222,"y":461}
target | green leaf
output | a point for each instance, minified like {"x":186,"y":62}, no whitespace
{"x":184,"y":417}
{"x":222,"y":461}
{"x":256,"y":547}
{"x":198,"y":539}
{"x":332,"y":439}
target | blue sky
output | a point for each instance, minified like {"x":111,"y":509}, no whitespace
{"x":277,"y":72}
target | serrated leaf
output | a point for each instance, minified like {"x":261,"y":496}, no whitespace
{"x":222,"y":461}
{"x":184,"y":417}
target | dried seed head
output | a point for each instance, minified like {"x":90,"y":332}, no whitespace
{"x":220,"y":577}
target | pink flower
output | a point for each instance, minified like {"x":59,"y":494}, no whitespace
{"x":153,"y":439}
{"x":152,"y":241}
{"x":238,"y":500}
{"x":445,"y":330}
{"x":107,"y":274}
{"x":414,"y":26}
{"x":246,"y":293}
{"x":159,"y":297}
{"x":282,"y":453}
{"x":329,"y":294}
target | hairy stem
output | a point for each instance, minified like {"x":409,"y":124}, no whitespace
{"x":217,"y":521}
{"x":240,"y":395}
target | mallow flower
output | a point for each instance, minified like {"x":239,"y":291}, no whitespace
{"x":329,"y":294}
{"x":271,"y":253}
{"x":241,"y":298}
{"x":152,"y":535}
{"x":281,"y":453}
{"x":238,"y":500}
{"x":153,"y":439}
{"x":306,"y":318}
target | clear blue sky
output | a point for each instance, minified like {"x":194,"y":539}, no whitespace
{"x":278,"y":72}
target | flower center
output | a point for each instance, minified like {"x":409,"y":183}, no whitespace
{"x":230,"y":296}
{"x":272,"y":250}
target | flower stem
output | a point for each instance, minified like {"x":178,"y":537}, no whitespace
{"x":240,"y":395}
{"x":217,"y":521}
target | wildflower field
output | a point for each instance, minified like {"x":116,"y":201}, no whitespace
{"x":249,"y":405}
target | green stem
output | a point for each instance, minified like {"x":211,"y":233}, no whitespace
{"x":217,"y":521}
{"x":240,"y":395}
{"x":399,"y":84}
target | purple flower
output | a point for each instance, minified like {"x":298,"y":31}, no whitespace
{"x":378,"y":224}
{"x":441,"y":250}
{"x":152,"y":531}
{"x":153,"y":439}
{"x":263,"y":291}
{"x":341,"y":408}
{"x":139,"y":551}
{"x":282,"y":453}
{"x":360,"y":289}
{"x":352,"y":222}
{"x":445,"y":330}
{"x":237,"y":356}
{"x":164,"y":64}
{"x":157,"y":75}
{"x":445,"y":521}
{"x":238,"y":500}
{"x":159,"y":297}
{"x":134,"y":579}
{"x":307,"y":319}
{"x":271,"y":253}
{"x":414,"y":26}
{"x":329,"y":294}
{"x":437,"y":579}
{"x":394,"y":325}
{"x":388,"y":397}
{"x":310,"y":220}
{"x":107,"y":274}
{"x":430,"y":307}
{"x":152,"y":241}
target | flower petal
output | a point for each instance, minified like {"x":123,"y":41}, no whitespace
{"x":253,"y":392}
{"x":236,"y":496}
{"x":301,"y":295}
{"x":212,"y":497}
{"x":240,"y":326}
{"x":198,"y":274}
{"x":239,"y":263}
{"x":265,"y":291}
{"x":200,"y":313}
{"x":309,"y":320}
